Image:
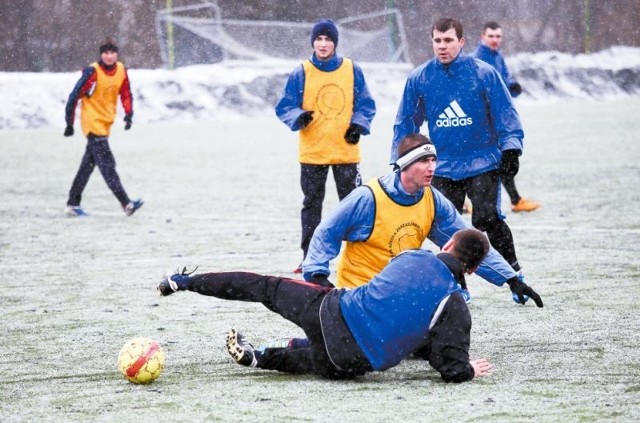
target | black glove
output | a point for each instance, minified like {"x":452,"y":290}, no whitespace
{"x":353,"y":134}
{"x":521,"y":289}
{"x":515,"y":89}
{"x":68,"y":131}
{"x":305,"y":119}
{"x":127,"y":122}
{"x":510,"y":163}
{"x":322,"y":280}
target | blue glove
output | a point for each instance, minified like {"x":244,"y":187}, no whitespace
{"x":127,"y":122}
{"x":521,"y":292}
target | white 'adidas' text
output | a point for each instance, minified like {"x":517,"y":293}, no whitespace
{"x":453,"y":116}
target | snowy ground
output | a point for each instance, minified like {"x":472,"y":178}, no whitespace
{"x":224,"y":195}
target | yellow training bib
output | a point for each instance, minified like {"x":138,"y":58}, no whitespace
{"x":330,"y":96}
{"x":396,"y":228}
{"x":99,"y":110}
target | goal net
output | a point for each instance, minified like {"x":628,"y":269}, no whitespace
{"x":197,"y":34}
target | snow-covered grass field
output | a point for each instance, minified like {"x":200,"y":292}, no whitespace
{"x":225,"y":196}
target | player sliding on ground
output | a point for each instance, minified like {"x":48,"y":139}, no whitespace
{"x":370,"y":328}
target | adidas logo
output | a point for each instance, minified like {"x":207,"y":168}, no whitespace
{"x":453,"y":116}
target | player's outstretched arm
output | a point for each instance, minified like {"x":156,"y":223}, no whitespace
{"x":521,"y":290}
{"x":481,"y":367}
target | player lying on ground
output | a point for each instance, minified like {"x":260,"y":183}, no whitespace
{"x":414,"y":304}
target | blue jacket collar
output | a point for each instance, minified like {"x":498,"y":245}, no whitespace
{"x":392,"y":185}
{"x":326,"y":65}
{"x":456,"y":63}
{"x":487,"y":50}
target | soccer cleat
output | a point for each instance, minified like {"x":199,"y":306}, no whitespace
{"x":297,"y":270}
{"x":75,"y":211}
{"x":525,"y":205}
{"x":178,"y":281}
{"x":241,"y":350}
{"x":513,"y":295}
{"x":133,"y":206}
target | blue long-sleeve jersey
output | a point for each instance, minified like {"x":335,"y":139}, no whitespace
{"x":289,"y":107}
{"x":496,"y":59}
{"x":409,"y":289}
{"x":353,"y":219}
{"x":469,"y":113}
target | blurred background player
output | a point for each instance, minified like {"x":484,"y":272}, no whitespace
{"x":327,"y":100}
{"x":488,"y":51}
{"x":97,"y":90}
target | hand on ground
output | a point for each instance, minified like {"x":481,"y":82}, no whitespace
{"x":481,"y":367}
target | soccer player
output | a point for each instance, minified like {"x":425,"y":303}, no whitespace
{"x":327,"y":100}
{"x":342,"y":341}
{"x":488,"y":51}
{"x":474,"y":126}
{"x":389,"y":215}
{"x":97,"y":91}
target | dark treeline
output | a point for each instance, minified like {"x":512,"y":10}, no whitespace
{"x":62,"y":35}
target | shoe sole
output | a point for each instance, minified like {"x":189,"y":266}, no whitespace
{"x":133,"y":211}
{"x":524,"y":210}
{"x":235,"y":349}
{"x":74,"y":214}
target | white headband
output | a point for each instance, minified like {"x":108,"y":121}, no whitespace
{"x":412,"y":156}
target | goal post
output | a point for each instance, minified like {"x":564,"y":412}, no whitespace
{"x":198,"y":34}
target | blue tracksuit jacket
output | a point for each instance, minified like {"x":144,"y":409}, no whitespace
{"x":408,"y":290}
{"x":495,"y":59}
{"x":469,"y":113}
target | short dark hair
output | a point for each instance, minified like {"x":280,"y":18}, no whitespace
{"x":108,"y":45}
{"x":490,"y":25}
{"x":410,"y":142}
{"x":445,"y":24}
{"x":470,"y":246}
